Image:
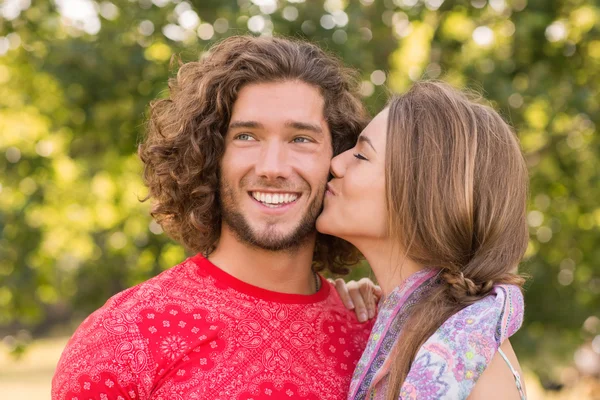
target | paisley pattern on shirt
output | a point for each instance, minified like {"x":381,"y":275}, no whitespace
{"x":449,"y":363}
{"x":194,"y":332}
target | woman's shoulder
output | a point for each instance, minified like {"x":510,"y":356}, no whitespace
{"x":500,"y":315}
{"x":454,"y":357}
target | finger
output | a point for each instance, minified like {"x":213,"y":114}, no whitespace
{"x":360,"y":307}
{"x":378,"y":292}
{"x":342,"y":290}
{"x":367,"y":292}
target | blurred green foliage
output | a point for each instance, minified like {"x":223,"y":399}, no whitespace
{"x":76,"y":78}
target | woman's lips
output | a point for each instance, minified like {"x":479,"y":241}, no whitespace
{"x":330,"y":189}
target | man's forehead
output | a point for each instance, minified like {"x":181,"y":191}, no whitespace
{"x":287,"y":100}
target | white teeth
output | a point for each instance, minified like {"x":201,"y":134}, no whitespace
{"x":274,"y":198}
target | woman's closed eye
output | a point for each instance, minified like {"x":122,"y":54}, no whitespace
{"x":360,"y":157}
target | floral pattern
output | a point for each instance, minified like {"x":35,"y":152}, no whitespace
{"x":449,"y":363}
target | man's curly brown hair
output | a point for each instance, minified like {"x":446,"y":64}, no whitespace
{"x":185,"y":133}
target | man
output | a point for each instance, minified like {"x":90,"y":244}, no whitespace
{"x":236,"y":161}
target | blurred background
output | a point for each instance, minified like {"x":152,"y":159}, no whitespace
{"x":76,"y":77}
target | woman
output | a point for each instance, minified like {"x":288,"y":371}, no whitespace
{"x":433,"y":194}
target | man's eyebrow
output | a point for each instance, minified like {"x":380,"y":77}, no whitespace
{"x":365,"y":139}
{"x":304,"y":126}
{"x":245,"y":124}
{"x":298,"y":125}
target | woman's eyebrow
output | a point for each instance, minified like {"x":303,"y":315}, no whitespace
{"x":365,"y":139}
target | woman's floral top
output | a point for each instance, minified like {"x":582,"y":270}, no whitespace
{"x":449,"y":363}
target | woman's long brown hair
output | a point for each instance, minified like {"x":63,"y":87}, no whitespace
{"x":456,"y":192}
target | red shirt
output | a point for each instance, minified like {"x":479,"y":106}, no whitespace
{"x":196,"y":332}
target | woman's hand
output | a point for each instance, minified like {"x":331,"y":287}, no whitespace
{"x":361,"y":296}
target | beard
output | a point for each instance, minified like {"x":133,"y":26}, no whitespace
{"x":270,"y":238}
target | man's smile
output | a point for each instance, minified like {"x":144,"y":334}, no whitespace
{"x":275,"y":199}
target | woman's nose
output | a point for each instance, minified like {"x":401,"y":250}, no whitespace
{"x":338,"y":165}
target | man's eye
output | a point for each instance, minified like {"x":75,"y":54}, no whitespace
{"x":244,"y":136}
{"x":301,"y":139}
{"x":360,"y":156}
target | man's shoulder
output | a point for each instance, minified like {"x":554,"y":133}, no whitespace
{"x":112,"y":338}
{"x":120,"y":314}
{"x":157,"y":287}
{"x":338,"y":310}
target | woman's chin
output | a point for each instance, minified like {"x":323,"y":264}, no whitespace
{"x":323,"y":225}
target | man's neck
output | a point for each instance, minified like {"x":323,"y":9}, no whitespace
{"x":280,"y":271}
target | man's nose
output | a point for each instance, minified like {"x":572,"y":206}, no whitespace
{"x":274,"y":161}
